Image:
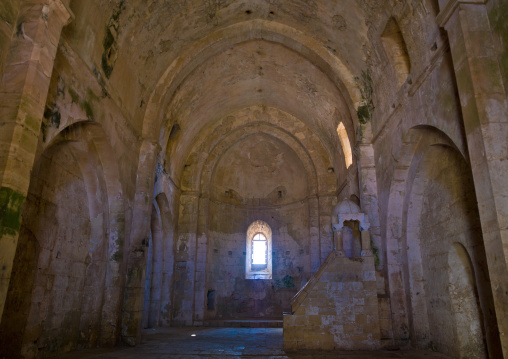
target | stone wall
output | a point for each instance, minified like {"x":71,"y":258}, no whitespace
{"x":191,"y":119}
{"x":237,"y":297}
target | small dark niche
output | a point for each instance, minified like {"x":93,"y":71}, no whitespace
{"x":174,"y":130}
{"x":210,"y":300}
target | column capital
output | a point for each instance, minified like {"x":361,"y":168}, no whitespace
{"x":449,"y":9}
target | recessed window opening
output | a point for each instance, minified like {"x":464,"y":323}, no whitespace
{"x":346,"y":145}
{"x":258,"y":261}
{"x":259,"y":250}
{"x":396,"y":50}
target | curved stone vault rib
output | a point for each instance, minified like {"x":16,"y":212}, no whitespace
{"x":267,"y":75}
{"x":241,"y":134}
{"x":219,"y":41}
{"x":268,"y":120}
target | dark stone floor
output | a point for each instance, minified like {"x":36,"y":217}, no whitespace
{"x":253,"y":343}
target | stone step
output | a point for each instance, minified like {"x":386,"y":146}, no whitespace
{"x":244,"y":323}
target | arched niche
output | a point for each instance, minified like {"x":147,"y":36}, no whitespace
{"x":396,"y":51}
{"x":465,"y":303}
{"x":61,"y":255}
{"x":351,"y":230}
{"x":65,"y":287}
{"x":437,"y":208}
{"x":416,"y":140}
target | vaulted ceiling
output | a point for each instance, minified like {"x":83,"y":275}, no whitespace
{"x":189,"y":73}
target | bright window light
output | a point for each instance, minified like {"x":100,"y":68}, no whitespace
{"x":346,"y":145}
{"x":259,"y":249}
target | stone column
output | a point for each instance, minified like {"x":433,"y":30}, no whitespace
{"x":137,"y":250}
{"x":366,"y":250}
{"x":315,"y":242}
{"x":23,"y":92}
{"x":485,"y":111}
{"x":325,"y":206}
{"x":368,"y":191}
{"x":185,"y":260}
{"x":201,"y":251}
{"x":339,"y":242}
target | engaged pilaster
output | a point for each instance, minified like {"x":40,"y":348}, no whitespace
{"x":485,"y":111}
{"x":23,"y":91}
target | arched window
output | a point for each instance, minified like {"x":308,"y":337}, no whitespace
{"x":259,"y":251}
{"x":258,"y":261}
{"x":346,"y":145}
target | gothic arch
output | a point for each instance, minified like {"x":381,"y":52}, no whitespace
{"x":283,"y":124}
{"x":417,"y":139}
{"x":93,"y":133}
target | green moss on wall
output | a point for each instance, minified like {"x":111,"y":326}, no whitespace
{"x":363,"y":113}
{"x":286,"y":282}
{"x":52,"y":114}
{"x":364,"y":84}
{"x":117,"y":257}
{"x":9,"y":11}
{"x":11,"y":205}
{"x":85,"y":105}
{"x":106,"y":62}
{"x":109,"y":42}
{"x":74,"y":96}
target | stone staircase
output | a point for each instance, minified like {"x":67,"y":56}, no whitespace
{"x":336,"y":309}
